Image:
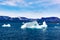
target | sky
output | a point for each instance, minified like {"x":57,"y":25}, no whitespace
{"x":30,"y":8}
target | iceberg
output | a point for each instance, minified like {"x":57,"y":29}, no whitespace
{"x":6,"y":25}
{"x":34,"y":24}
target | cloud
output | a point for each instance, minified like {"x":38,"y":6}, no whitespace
{"x":9,"y":2}
{"x":33,"y":5}
{"x":24,"y":3}
{"x":56,"y":1}
{"x":14,"y":3}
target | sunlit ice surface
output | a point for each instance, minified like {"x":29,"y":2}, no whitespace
{"x":34,"y":25}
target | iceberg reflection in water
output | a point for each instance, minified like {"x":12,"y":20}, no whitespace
{"x":34,"y":24}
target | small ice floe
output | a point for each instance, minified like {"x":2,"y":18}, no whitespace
{"x":58,"y":23}
{"x":34,"y":24}
{"x":6,"y":25}
{"x":57,"y":26}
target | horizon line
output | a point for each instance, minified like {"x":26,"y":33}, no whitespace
{"x":30,"y":17}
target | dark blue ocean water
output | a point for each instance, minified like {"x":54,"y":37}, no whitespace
{"x":16,"y":33}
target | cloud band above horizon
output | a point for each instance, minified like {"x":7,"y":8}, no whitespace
{"x":30,"y":8}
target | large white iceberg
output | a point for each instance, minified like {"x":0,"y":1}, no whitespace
{"x":6,"y":25}
{"x":34,"y":24}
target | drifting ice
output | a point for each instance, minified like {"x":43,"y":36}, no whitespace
{"x":6,"y":25}
{"x":34,"y":24}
